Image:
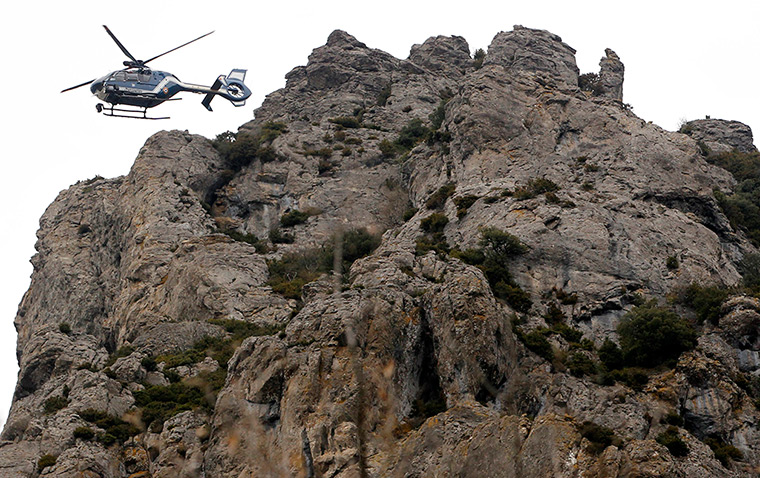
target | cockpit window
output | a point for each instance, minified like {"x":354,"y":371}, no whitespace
{"x":145,"y":75}
{"x":120,"y":76}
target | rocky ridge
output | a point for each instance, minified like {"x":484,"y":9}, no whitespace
{"x":410,"y":366}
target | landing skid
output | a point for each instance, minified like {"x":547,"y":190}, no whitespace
{"x":140,"y":113}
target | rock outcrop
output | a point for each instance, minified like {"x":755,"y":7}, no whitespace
{"x":155,"y":342}
{"x":721,"y":135}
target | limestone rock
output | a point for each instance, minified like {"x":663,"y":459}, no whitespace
{"x":408,"y":364}
{"x":721,"y":135}
{"x":611,"y":75}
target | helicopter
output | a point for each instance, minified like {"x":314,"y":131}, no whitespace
{"x":136,"y":88}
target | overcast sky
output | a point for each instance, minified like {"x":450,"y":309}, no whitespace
{"x":683,"y":59}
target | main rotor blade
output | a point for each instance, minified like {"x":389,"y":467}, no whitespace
{"x":184,"y":44}
{"x":124,"y":50}
{"x":78,"y":86}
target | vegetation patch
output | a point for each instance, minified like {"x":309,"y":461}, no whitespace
{"x":671,"y":440}
{"x":293,"y":218}
{"x":53,"y":404}
{"x":651,"y":335}
{"x":534,"y":187}
{"x":348,"y":122}
{"x":705,"y":301}
{"x":438,"y":199}
{"x":537,"y":343}
{"x":433,"y":239}
{"x":496,"y":251}
{"x":743,"y":206}
{"x":46,"y":461}
{"x":84,"y":433}
{"x":591,"y":83}
{"x":478,"y":58}
{"x":115,"y":430}
{"x":292,"y":271}
{"x":725,"y":453}
{"x":463,"y":203}
{"x":260,"y":246}
{"x":600,"y":437}
{"x":240,"y":149}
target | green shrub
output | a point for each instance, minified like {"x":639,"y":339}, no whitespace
{"x":240,"y":149}
{"x":46,"y":461}
{"x":600,"y":437}
{"x":411,"y":134}
{"x":358,"y":243}
{"x":591,"y":83}
{"x":348,"y":122}
{"x":651,"y":336}
{"x":743,"y":206}
{"x":750,"y":269}
{"x":671,"y":440}
{"x":432,"y":242}
{"x":534,"y":187}
{"x":500,"y":245}
{"x":463,"y":203}
{"x":579,"y":364}
{"x":260,"y":246}
{"x":705,"y":301}
{"x":53,"y":404}
{"x":64,"y":328}
{"x":438,"y":199}
{"x":159,"y":403}
{"x":724,"y":452}
{"x":537,"y":343}
{"x":634,"y":377}
{"x":84,"y":433}
{"x":673,"y":418}
{"x":671,"y":263}
{"x":438,"y":115}
{"x":115,"y":429}
{"x":293,"y":218}
{"x":435,"y":222}
{"x":292,"y":271}
{"x":385,"y":93}
{"x":409,"y":213}
{"x":554,"y":314}
{"x":278,"y":237}
{"x":480,"y":55}
{"x":610,"y":355}
{"x":122,"y":352}
{"x":570,"y":334}
{"x":388,"y":148}
{"x":272,"y":130}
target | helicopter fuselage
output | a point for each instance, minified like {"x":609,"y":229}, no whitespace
{"x":142,"y":88}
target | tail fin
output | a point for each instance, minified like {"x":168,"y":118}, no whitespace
{"x":232,"y":87}
{"x":210,"y":96}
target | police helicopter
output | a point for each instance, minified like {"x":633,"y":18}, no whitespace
{"x":138,"y":87}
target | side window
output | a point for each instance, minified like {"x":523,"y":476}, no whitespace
{"x":145,"y":75}
{"x":131,"y":76}
{"x":120,"y":76}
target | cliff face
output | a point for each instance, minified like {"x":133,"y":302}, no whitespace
{"x":153,"y":322}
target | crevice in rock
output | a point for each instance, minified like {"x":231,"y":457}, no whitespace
{"x":704,"y":207}
{"x":430,"y":399}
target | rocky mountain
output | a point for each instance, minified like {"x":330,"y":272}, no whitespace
{"x":437,"y":266}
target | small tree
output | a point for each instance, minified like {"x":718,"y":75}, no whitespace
{"x":652,"y":335}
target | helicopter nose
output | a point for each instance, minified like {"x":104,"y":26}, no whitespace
{"x":96,"y":86}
